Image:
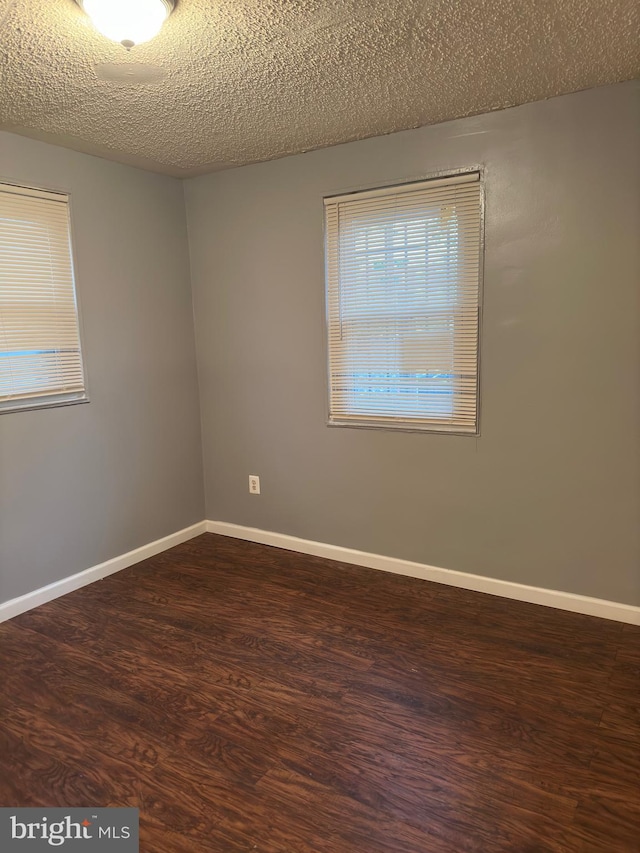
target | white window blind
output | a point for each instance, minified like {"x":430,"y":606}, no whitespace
{"x":403,"y":269}
{"x":40,"y":358}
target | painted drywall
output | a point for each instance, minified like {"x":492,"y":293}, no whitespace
{"x":82,"y":484}
{"x":549,"y":494}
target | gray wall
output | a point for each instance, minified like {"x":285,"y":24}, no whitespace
{"x":549,"y":494}
{"x":82,"y":484}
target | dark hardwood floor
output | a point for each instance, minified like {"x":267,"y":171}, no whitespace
{"x":251,"y":699}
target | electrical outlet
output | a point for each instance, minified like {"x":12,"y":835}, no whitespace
{"x":254,"y":484}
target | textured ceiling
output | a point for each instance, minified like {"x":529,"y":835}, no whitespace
{"x":238,"y":81}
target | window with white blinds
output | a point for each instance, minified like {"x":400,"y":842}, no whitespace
{"x":40,"y":358}
{"x":403,"y":273}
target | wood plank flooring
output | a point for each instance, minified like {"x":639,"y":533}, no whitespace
{"x":247,"y":698}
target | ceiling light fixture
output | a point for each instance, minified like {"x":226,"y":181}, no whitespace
{"x":128,"y":21}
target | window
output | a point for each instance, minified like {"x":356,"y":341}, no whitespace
{"x":403,"y":271}
{"x":40,"y":358}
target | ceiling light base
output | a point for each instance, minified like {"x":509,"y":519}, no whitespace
{"x":129,"y":22}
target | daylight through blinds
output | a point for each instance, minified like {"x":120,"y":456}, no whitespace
{"x":403,"y":302}
{"x":40,"y":359}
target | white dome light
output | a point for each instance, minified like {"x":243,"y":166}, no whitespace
{"x":128,"y":21}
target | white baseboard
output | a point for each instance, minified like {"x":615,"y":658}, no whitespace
{"x":16,"y":606}
{"x":506,"y":589}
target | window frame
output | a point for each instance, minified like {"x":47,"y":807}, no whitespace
{"x":407,"y":425}
{"x":54,"y":401}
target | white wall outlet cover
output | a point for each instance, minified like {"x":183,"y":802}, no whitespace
{"x":254,"y":484}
